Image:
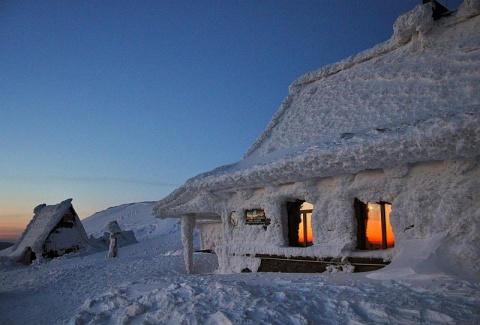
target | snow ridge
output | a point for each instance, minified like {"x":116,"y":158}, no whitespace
{"x":134,"y":216}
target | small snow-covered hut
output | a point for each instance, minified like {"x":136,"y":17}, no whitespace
{"x":368,"y":160}
{"x":54,"y":230}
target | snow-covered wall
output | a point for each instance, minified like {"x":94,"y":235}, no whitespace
{"x":427,"y":199}
{"x":211,"y":234}
{"x":64,"y":240}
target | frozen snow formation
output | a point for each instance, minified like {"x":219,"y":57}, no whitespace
{"x":113,"y":227}
{"x":115,"y":232}
{"x":398,"y":123}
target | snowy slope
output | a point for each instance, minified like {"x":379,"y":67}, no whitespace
{"x":53,"y":290}
{"x":147,"y":284}
{"x":135,"y":216}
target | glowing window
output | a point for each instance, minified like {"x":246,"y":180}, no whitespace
{"x":373,"y":225}
{"x":300,"y":223}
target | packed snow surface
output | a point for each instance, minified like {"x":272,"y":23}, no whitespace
{"x":147,"y":284}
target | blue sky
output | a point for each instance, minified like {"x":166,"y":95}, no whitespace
{"x":112,"y":102}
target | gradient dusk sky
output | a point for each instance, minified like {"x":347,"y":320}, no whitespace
{"x":112,"y":102}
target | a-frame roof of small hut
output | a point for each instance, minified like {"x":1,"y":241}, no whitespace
{"x":45,"y":218}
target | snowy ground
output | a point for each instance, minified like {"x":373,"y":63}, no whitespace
{"x":147,"y":284}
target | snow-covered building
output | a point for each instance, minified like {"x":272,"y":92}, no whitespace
{"x":374,"y":157}
{"x":54,"y":230}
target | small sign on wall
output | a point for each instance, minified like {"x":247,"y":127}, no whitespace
{"x":256,"y":217}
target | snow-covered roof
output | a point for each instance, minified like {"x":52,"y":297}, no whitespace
{"x":45,"y":218}
{"x":413,"y":98}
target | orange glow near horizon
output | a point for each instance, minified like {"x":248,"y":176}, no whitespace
{"x":374,"y":225}
{"x":11,"y":231}
{"x":13,"y":223}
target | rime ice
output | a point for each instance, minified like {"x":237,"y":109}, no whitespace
{"x":399,"y":123}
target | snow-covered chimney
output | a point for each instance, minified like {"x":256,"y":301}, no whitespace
{"x":438,"y":9}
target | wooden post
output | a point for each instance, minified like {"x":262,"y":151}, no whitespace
{"x":361,"y":215}
{"x":187,"y":223}
{"x":384,"y":225}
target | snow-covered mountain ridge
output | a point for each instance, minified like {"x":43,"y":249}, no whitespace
{"x":134,"y":216}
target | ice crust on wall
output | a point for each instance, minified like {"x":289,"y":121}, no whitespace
{"x":210,"y":234}
{"x":427,"y":199}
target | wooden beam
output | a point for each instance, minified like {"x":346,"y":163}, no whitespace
{"x":187,"y":223}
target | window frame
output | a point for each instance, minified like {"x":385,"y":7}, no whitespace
{"x":361,"y":215}
{"x":303,"y":218}
{"x":295,"y":216}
